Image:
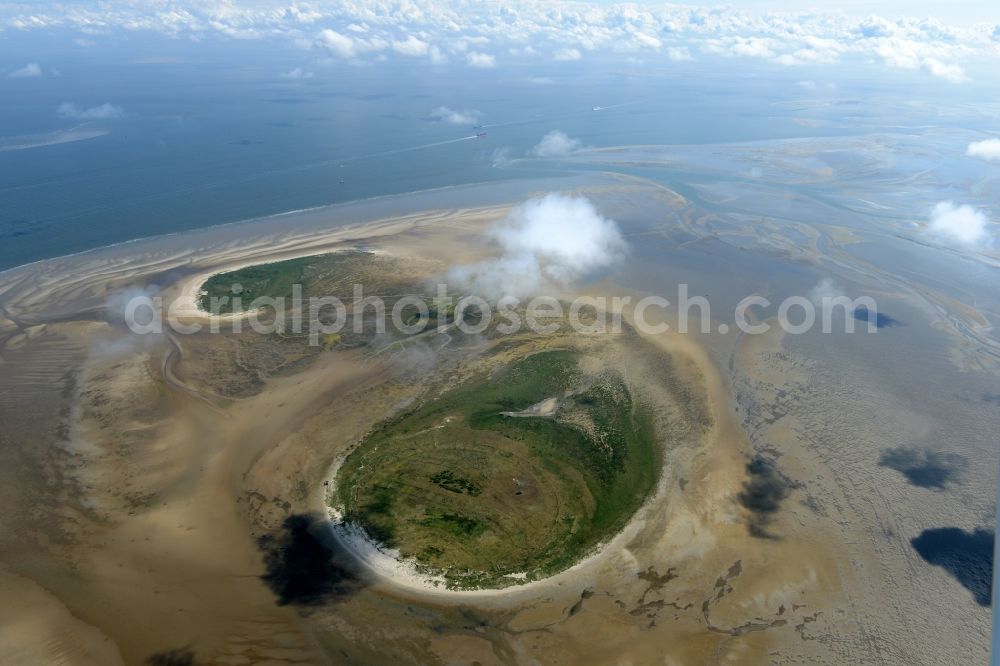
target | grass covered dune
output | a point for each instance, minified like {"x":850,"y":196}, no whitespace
{"x":479,"y":488}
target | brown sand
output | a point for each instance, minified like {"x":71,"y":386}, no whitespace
{"x":137,"y":519}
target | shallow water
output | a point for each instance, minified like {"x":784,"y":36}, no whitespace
{"x":202,"y":145}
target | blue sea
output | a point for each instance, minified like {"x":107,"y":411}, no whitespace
{"x":210,"y":134}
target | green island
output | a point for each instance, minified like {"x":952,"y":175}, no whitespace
{"x":329,"y":274}
{"x":262,"y":280}
{"x":512,"y":475}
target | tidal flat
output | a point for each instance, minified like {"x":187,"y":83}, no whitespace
{"x":166,"y":493}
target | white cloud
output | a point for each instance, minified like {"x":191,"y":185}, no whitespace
{"x":297,"y":74}
{"x":739,"y":46}
{"x":825,"y":290}
{"x":988,"y":149}
{"x":556,"y":143}
{"x":555,"y":239}
{"x":412,"y":47}
{"x":964,"y":224}
{"x":501,"y":157}
{"x":121,"y":306}
{"x":899,"y":53}
{"x":480,"y":60}
{"x":568,"y":55}
{"x":379,"y":30}
{"x":336,"y":43}
{"x":447,"y":115}
{"x":876,"y":26}
{"x":914,"y":55}
{"x":642,"y":40}
{"x":32,"y":69}
{"x":827,"y":54}
{"x":102,"y":112}
{"x":344,"y":46}
{"x":935,"y":67}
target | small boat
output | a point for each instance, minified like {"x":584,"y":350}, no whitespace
{"x":481,"y":135}
{"x":596,"y":108}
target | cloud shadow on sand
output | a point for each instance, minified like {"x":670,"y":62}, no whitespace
{"x":305,"y":568}
{"x":872,"y":317}
{"x":763,"y":492}
{"x":180,"y":657}
{"x":967,"y":556}
{"x":923,"y":468}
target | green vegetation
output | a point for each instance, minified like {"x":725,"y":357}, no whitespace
{"x":273,"y":280}
{"x":332,"y":274}
{"x":480,"y":496}
{"x":449,"y":482}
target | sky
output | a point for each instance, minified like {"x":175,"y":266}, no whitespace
{"x":962,"y":12}
{"x":489,"y":35}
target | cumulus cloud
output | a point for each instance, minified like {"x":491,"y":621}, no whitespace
{"x":950,"y":72}
{"x":552,"y":240}
{"x":411,"y":46}
{"x":988,"y":149}
{"x":30,"y":70}
{"x":555,"y":143}
{"x":297,"y":74}
{"x":336,"y":43}
{"x":102,"y":112}
{"x":377,"y":30}
{"x":812,"y":51}
{"x":480,"y":60}
{"x":739,"y":46}
{"x":876,"y":26}
{"x":131,"y":303}
{"x":642,"y":40}
{"x":347,"y":47}
{"x":825,"y":291}
{"x":446,"y":115}
{"x":567,"y":55}
{"x":136,"y":309}
{"x":963,"y":224}
{"x":501,"y":157}
{"x":916,"y":55}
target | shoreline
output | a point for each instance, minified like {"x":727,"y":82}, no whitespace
{"x":401,"y":575}
{"x":67,"y":286}
{"x":330,"y":207}
{"x":64,"y":286}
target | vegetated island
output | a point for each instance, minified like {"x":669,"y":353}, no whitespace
{"x":520,"y":459}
